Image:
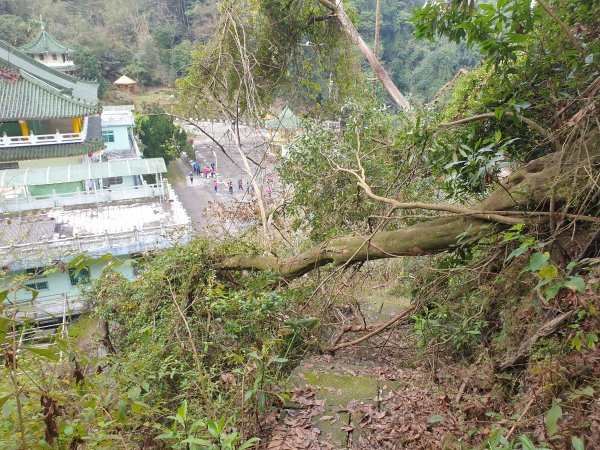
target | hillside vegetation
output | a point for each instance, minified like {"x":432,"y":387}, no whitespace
{"x":152,"y":40}
{"x":482,"y":210}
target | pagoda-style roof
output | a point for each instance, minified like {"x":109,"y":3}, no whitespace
{"x":49,"y":151}
{"x":124,"y":79}
{"x":286,"y":119}
{"x":31,"y":90}
{"x":44,"y":42}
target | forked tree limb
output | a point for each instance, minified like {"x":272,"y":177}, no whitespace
{"x":373,"y":329}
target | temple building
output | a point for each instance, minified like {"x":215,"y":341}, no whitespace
{"x":282,"y":130}
{"x":72,"y":182}
{"x":50,"y":52}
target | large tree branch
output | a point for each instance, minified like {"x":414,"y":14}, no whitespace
{"x":490,"y":115}
{"x":526,"y":189}
{"x":377,"y":67}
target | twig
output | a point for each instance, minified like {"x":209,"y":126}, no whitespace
{"x":511,"y":431}
{"x":379,"y":329}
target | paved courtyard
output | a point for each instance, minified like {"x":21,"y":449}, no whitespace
{"x":198,"y":196}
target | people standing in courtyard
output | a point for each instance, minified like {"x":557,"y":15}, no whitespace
{"x":240,"y":185}
{"x":216,"y":185}
{"x":191,"y":177}
{"x":230,"y":185}
{"x":212,"y":172}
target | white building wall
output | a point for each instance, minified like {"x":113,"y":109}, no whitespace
{"x":121,"y":138}
{"x":59,"y":282}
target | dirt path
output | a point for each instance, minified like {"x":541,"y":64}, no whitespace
{"x":368,"y":396}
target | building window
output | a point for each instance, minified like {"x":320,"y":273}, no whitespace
{"x":108,"y":136}
{"x":54,"y":58}
{"x":38,"y":285}
{"x":115,"y":180}
{"x":36,"y":272}
{"x":9,"y":165}
{"x":111,"y":181}
{"x":41,"y":55}
{"x":81,"y":276}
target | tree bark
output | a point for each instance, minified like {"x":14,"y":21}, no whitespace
{"x":377,"y":67}
{"x":526,"y":190}
{"x":545,"y":330}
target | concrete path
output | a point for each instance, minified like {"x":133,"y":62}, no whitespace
{"x":198,"y":195}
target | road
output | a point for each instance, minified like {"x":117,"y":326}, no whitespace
{"x":215,"y":212}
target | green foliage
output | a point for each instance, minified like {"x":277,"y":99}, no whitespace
{"x":552,"y":417}
{"x":13,"y":29}
{"x":196,"y":357}
{"x":136,"y":39}
{"x":183,"y":435}
{"x":453,"y":326}
{"x":327,"y":200}
{"x":418,"y":67}
{"x":472,"y":169}
{"x":161,"y":137}
{"x":89,"y":68}
{"x":522,"y":75}
{"x":500,"y":29}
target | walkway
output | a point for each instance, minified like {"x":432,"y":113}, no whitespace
{"x":198,"y":196}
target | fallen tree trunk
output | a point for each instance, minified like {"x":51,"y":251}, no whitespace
{"x":527,"y":189}
{"x":545,"y":330}
{"x":338,"y":9}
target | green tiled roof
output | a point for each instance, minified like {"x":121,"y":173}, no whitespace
{"x":44,"y":42}
{"x":39,"y":92}
{"x":87,"y":90}
{"x":32,"y":98}
{"x":49,"y":151}
{"x":287,"y":119}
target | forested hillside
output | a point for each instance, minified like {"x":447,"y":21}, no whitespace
{"x":418,"y":67}
{"x":151,"y":40}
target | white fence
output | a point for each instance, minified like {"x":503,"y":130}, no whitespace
{"x":27,"y":203}
{"x":126,"y":242}
{"x":44,"y":308}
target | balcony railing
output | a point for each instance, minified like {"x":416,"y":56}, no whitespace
{"x":42,"y":253}
{"x":44,"y":139}
{"x":54,"y":308}
{"x":28,"y":202}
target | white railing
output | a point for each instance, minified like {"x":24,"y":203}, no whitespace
{"x":28,"y":203}
{"x":44,"y":139}
{"x":50,"y":307}
{"x":126,"y":242}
